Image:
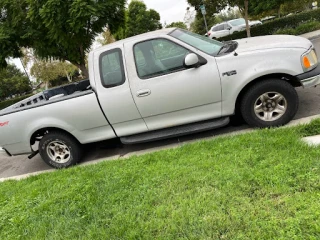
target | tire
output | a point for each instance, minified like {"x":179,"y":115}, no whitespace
{"x":60,"y":150}
{"x":269,"y":103}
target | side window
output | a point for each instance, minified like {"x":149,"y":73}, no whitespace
{"x":111,"y":68}
{"x":157,"y":57}
{"x":221,"y":27}
{"x":226,"y":26}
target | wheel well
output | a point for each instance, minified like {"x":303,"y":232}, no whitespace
{"x":41,"y":132}
{"x":290,"y":79}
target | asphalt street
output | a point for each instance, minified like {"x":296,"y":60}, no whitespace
{"x":18,"y":165}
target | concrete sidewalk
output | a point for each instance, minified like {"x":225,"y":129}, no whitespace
{"x":311,"y":35}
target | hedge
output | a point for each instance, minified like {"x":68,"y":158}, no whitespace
{"x":301,"y":29}
{"x":270,"y":28}
{"x":10,"y":102}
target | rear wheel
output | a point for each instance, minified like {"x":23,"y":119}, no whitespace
{"x":60,"y":150}
{"x":269,"y":103}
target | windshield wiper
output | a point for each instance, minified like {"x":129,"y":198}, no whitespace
{"x":223,"y":46}
{"x":226,"y":45}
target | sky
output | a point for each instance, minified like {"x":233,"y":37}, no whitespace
{"x":169,"y":10}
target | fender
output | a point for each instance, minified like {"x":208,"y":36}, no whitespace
{"x":250,"y":66}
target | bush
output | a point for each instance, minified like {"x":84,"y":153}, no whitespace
{"x":287,"y":31}
{"x":301,"y":29}
{"x":307,"y":27}
{"x":270,"y":28}
{"x":10,"y":102}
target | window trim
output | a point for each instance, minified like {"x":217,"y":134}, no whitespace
{"x":160,"y":74}
{"x":118,"y":50}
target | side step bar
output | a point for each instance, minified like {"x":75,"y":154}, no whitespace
{"x":175,"y":131}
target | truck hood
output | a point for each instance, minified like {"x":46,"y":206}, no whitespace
{"x":271,"y":42}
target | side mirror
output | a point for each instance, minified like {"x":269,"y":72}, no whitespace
{"x":229,"y":28}
{"x":191,"y":61}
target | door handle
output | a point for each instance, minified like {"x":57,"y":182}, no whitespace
{"x":143,"y":93}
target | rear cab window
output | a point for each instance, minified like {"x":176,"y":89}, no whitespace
{"x":111,"y":68}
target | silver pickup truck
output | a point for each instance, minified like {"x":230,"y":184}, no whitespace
{"x":162,"y":84}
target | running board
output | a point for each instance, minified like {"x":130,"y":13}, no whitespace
{"x":176,"y":131}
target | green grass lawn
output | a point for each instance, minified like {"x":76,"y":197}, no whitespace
{"x":260,"y":185}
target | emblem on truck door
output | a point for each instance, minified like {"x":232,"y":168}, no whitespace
{"x":234,"y":72}
{"x":4,"y":123}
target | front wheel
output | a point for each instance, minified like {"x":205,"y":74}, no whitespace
{"x":269,"y":103}
{"x":60,"y":150}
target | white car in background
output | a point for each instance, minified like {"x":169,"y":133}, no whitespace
{"x":230,"y":27}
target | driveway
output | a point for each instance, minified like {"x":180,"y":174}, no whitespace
{"x":309,"y":106}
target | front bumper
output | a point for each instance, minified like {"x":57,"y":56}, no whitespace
{"x":4,"y":153}
{"x":311,"y":78}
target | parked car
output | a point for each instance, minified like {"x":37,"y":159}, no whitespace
{"x":162,"y":84}
{"x":230,"y":27}
{"x":268,"y":18}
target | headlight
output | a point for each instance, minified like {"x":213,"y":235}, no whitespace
{"x":309,"y":60}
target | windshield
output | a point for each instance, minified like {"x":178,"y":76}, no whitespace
{"x":202,"y":43}
{"x":237,"y":22}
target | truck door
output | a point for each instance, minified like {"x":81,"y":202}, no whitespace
{"x":112,"y":87}
{"x":166,"y":93}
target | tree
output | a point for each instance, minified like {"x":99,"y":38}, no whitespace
{"x":243,"y":6}
{"x":232,"y":13}
{"x":47,"y":71}
{"x":257,"y":6}
{"x":55,"y":29}
{"x":138,"y":20}
{"x":189,"y":17}
{"x":212,"y":7}
{"x":295,"y":5}
{"x":198,"y":25}
{"x":13,"y":82}
{"x":107,"y":37}
{"x":246,"y":17}
{"x":121,"y":32}
{"x":178,"y":25}
{"x":141,"y":20}
{"x":66,"y":70}
{"x":13,"y":28}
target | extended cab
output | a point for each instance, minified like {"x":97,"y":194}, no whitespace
{"x":162,"y":84}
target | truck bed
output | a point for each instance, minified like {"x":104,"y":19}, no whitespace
{"x":50,"y":96}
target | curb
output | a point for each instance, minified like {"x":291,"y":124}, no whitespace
{"x":293,"y":123}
